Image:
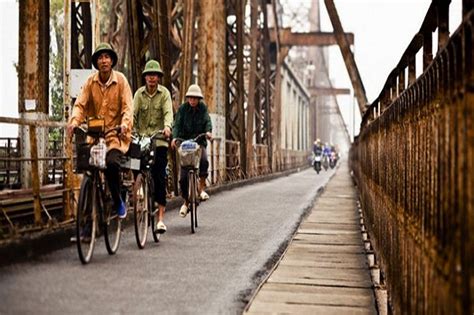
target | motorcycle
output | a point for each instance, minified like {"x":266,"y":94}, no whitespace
{"x":325,"y":162}
{"x":332,"y":160}
{"x":317,"y":163}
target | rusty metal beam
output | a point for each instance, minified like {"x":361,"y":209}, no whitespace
{"x":252,"y":100}
{"x":268,"y":91}
{"x":81,"y":35}
{"x":211,"y":54}
{"x":117,"y":34}
{"x":318,"y":91}
{"x":164,"y":42}
{"x":348,"y":56}
{"x":188,"y":48}
{"x":235,"y":98}
{"x":33,"y":59}
{"x":288,"y":38}
{"x":143,"y":36}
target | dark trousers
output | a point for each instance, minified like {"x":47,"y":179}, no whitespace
{"x":112,"y":174}
{"x":158,"y":172}
{"x":203,"y":172}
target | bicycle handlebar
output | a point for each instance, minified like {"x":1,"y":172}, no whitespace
{"x":199,"y":136}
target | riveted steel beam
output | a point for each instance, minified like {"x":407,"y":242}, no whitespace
{"x":348,"y":56}
{"x":288,"y":38}
{"x":81,"y":35}
{"x":236,"y":95}
{"x":318,"y":91}
{"x":33,"y":59}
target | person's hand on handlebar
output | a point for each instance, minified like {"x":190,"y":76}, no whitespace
{"x":173,"y":144}
{"x":123,"y":131}
{"x":70,"y":130}
{"x":167,"y":132}
{"x":209,"y":135}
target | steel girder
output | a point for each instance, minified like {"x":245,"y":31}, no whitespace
{"x":236,"y":95}
{"x":33,"y":59}
{"x":117,"y":34}
{"x":81,"y":35}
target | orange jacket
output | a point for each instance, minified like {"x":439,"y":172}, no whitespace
{"x":112,"y":101}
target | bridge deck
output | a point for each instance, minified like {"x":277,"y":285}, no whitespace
{"x":324,"y":269}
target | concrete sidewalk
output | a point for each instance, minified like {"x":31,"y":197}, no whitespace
{"x":325,"y":269}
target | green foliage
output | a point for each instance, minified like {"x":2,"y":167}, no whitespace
{"x":56,"y":86}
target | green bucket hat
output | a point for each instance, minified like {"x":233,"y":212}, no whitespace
{"x":101,"y":48}
{"x":153,"y":66}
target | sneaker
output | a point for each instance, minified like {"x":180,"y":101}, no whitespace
{"x":204,"y":195}
{"x":122,"y":211}
{"x":183,"y":211}
{"x":160,"y":227}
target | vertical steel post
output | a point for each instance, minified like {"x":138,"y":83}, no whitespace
{"x":252,"y":83}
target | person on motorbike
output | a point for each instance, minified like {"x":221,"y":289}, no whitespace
{"x":317,"y":147}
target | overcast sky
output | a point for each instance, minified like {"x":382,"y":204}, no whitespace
{"x":382,"y":31}
{"x":382,"y":28}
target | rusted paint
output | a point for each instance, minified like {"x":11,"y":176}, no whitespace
{"x":348,"y":56}
{"x":211,"y":53}
{"x":413,"y":163}
{"x":252,"y":87}
{"x":236,"y":96}
{"x":33,"y":59}
{"x":288,"y":38}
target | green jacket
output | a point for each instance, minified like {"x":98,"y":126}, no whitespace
{"x":190,"y":122}
{"x":152,"y":113}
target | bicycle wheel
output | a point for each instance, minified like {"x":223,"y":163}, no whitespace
{"x":111,"y":223}
{"x":154,"y":232}
{"x":141,"y":209}
{"x":192,"y":197}
{"x":196,"y":201}
{"x":86,"y":220}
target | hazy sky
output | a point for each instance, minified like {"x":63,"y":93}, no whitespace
{"x":382,"y":28}
{"x":382,"y":31}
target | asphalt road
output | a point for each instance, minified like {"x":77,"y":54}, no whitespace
{"x":242,"y":232}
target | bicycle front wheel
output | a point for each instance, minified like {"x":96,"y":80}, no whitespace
{"x":141,"y":209}
{"x":192,"y":197}
{"x":111,"y":224}
{"x":86,"y":220}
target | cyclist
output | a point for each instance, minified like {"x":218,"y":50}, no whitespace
{"x":191,"y":120}
{"x":107,"y":94}
{"x":152,"y":112}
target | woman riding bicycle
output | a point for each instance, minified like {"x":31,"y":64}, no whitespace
{"x":152,"y":112}
{"x":192,"y":119}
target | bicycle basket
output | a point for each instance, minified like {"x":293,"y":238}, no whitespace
{"x":189,"y":154}
{"x":98,"y":155}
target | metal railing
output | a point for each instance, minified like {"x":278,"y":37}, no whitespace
{"x":414,"y":164}
{"x":51,"y":199}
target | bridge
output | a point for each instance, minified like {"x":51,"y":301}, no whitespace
{"x":388,"y":230}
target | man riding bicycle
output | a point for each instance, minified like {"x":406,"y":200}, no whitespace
{"x":107,"y":94}
{"x":192,"y":119}
{"x":152,"y":112}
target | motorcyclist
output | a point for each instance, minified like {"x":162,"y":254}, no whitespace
{"x":317,"y":147}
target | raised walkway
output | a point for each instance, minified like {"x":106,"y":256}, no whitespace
{"x":325,"y":269}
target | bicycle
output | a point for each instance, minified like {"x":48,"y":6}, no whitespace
{"x":189,"y":152}
{"x":94,"y":208}
{"x":143,"y":189}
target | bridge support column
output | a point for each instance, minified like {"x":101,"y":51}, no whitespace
{"x":212,"y":70}
{"x":33,"y":75}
